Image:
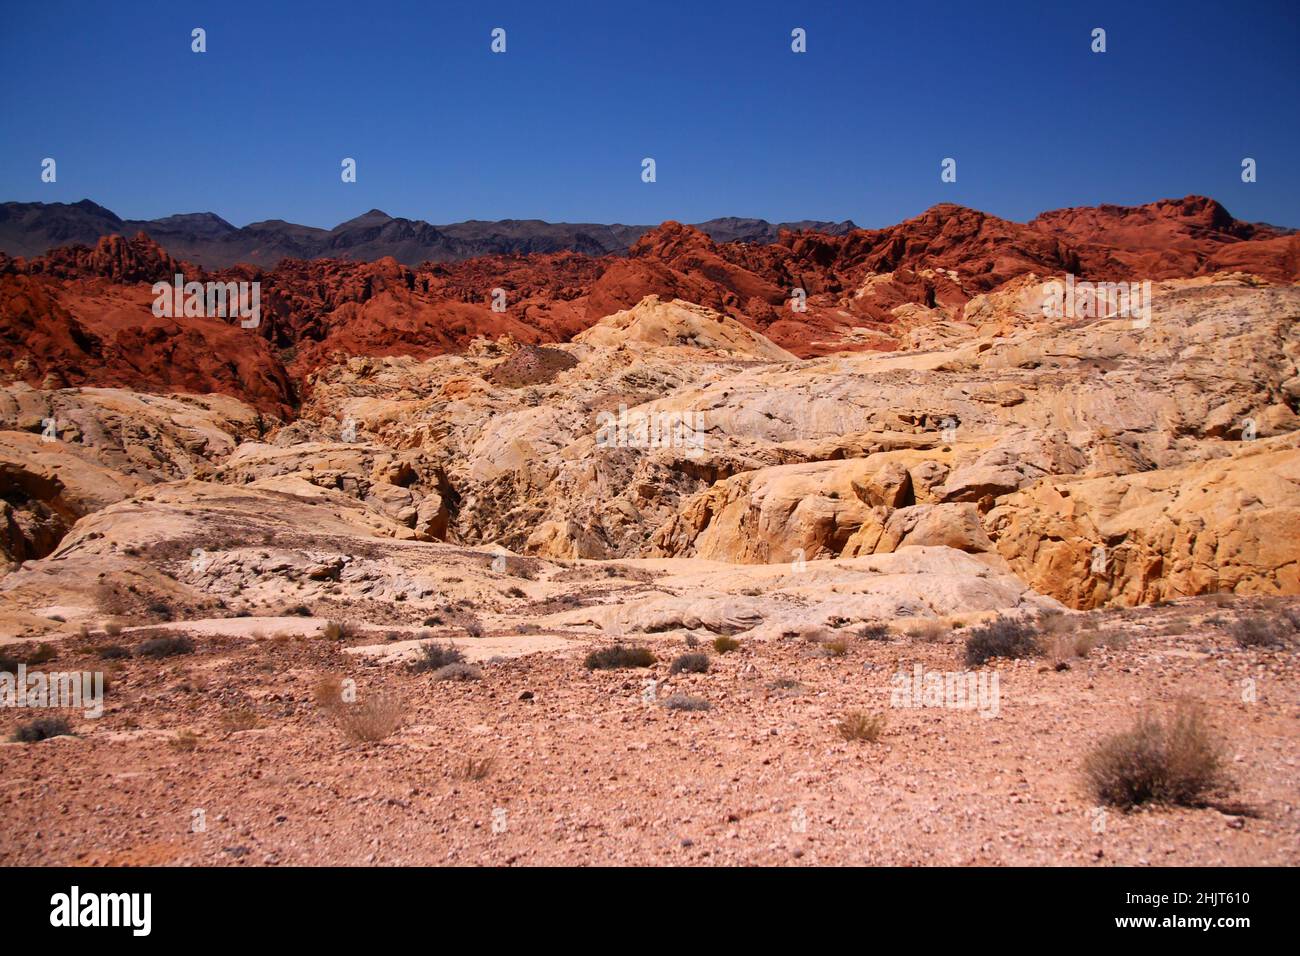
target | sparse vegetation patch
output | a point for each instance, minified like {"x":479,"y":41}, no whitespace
{"x":1175,"y":761}
{"x":165,"y":646}
{"x":619,"y":656}
{"x":685,"y":702}
{"x":1262,"y":631}
{"x":690,"y":664}
{"x":371,"y":720}
{"x":861,"y":726}
{"x":434,"y":656}
{"x":458,"y":671}
{"x":1001,"y":637}
{"x":42,"y":728}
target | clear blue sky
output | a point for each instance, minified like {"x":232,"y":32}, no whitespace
{"x":556,"y":128}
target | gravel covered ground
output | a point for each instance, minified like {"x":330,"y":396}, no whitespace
{"x":227,"y":756}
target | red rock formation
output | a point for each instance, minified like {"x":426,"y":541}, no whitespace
{"x":114,"y":258}
{"x":82,"y":316}
{"x":1169,"y":239}
{"x":91,"y":332}
{"x":754,"y":283}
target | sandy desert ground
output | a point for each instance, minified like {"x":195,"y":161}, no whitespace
{"x":227,"y":756}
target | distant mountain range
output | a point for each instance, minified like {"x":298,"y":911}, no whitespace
{"x":204,"y":238}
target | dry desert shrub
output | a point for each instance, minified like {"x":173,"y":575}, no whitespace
{"x":1291,"y":615}
{"x":233,"y":721}
{"x":785,"y":687}
{"x":185,"y":741}
{"x":929,"y":632}
{"x":168,"y":645}
{"x":1175,"y":761}
{"x":43,"y":654}
{"x":112,"y":672}
{"x":874,"y":631}
{"x":42,"y":728}
{"x":685,"y":702}
{"x":619,"y":656}
{"x":1001,"y":637}
{"x":113,"y":628}
{"x":690,"y":664}
{"x":1063,"y":637}
{"x":1060,"y":649}
{"x":722,"y":644}
{"x":1051,"y":623}
{"x":434,"y":657}
{"x":161,"y":610}
{"x":833,"y":648}
{"x":856,"y":725}
{"x":371,"y":720}
{"x":475,"y":768}
{"x":328,"y":692}
{"x":338,"y":630}
{"x":458,"y":671}
{"x":1262,"y":631}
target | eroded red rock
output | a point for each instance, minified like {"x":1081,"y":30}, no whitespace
{"x":83,"y":316}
